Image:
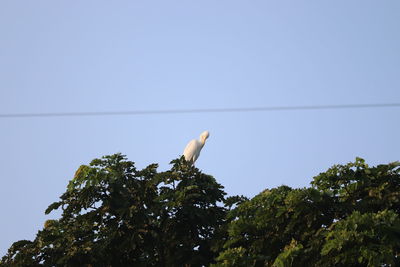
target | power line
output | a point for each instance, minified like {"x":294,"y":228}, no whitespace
{"x":186,"y":111}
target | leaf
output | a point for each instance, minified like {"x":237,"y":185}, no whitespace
{"x":53,"y":206}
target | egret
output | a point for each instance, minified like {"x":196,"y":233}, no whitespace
{"x":193,"y":148}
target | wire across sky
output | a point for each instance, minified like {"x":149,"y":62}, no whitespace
{"x":205,"y":110}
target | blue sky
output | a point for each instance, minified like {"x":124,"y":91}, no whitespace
{"x":78,"y":56}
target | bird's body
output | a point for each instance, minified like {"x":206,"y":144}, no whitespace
{"x":193,"y":148}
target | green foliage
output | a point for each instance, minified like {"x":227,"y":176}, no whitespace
{"x":116,"y":215}
{"x":369,"y":238}
{"x":276,"y":225}
{"x":349,"y":217}
{"x":290,"y":253}
{"x":356,"y":186}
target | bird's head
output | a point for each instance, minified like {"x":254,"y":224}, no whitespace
{"x":204,"y":135}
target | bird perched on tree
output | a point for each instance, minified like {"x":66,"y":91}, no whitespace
{"x":193,"y":148}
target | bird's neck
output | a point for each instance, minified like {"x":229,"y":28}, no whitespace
{"x":202,"y":141}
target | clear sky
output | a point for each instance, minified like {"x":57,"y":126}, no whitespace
{"x":73,"y":56}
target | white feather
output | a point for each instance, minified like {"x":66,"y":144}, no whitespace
{"x":193,"y":148}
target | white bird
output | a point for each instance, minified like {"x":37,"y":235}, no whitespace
{"x":193,"y":148}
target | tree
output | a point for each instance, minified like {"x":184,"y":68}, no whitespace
{"x":349,"y":217}
{"x":116,"y":215}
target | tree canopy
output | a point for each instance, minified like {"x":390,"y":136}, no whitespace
{"x":116,"y":215}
